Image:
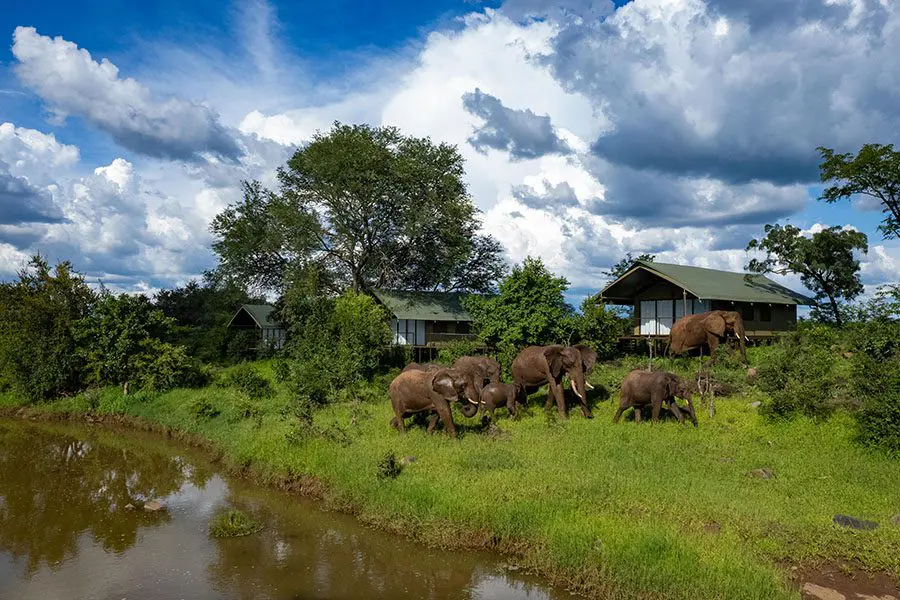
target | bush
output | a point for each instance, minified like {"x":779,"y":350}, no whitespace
{"x":233,"y":523}
{"x":601,"y":328}
{"x":245,"y":378}
{"x":448,"y":354}
{"x":799,"y":375}
{"x":202,"y":408}
{"x":163,"y":366}
{"x":875,"y":381}
{"x":389,"y":467}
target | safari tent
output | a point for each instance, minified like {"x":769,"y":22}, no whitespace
{"x":426,"y":318}
{"x":259,"y":316}
{"x":662,"y":293}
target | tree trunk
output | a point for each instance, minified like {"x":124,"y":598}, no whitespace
{"x":837,"y":313}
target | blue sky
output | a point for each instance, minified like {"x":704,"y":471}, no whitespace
{"x":590,"y":129}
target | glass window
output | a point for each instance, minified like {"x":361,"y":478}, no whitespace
{"x":747,"y":312}
{"x":765,"y":313}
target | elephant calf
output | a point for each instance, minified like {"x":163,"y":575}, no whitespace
{"x":495,"y":395}
{"x":641,"y":387}
{"x":416,"y":391}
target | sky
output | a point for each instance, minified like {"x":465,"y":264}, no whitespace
{"x":589,"y":129}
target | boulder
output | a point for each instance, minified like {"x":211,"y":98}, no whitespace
{"x":756,"y":404}
{"x":153,"y":505}
{"x":752,"y":374}
{"x":407,"y":459}
{"x":763,"y":473}
{"x":811,"y":590}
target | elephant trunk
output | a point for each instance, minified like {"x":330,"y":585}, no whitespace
{"x":469,"y":410}
{"x":741,"y":336}
{"x":578,"y":385}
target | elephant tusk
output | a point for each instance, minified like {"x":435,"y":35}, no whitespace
{"x":577,"y":394}
{"x":588,"y":386}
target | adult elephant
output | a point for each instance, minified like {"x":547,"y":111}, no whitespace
{"x":640,"y":388}
{"x":478,"y":371}
{"x":469,"y":409}
{"x":433,"y":390}
{"x":538,"y":365}
{"x":709,"y":328}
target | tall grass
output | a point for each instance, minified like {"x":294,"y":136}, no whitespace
{"x":624,"y":510}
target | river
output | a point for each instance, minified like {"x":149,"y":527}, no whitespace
{"x":66,"y":534}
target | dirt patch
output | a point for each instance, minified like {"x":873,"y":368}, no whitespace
{"x":843,"y":582}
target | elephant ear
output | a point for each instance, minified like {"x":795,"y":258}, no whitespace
{"x":716,"y":324}
{"x":554,"y":357}
{"x":442,"y":383}
{"x":588,"y":357}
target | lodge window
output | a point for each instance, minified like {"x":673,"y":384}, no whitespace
{"x":747,"y":312}
{"x":765,"y":313}
{"x":439,"y":327}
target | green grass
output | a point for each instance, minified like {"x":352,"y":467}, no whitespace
{"x":233,"y":523}
{"x":629,"y":511}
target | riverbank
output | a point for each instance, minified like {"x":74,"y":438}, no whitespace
{"x":610,"y":510}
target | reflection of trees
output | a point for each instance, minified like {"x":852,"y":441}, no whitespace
{"x":306,"y":553}
{"x":55,"y":487}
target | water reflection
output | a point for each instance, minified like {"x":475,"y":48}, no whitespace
{"x":62,"y":493}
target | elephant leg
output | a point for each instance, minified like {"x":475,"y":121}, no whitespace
{"x":691,"y":413}
{"x":560,"y":398}
{"x":656,"y":401}
{"x":673,"y":408}
{"x":443,"y":409}
{"x":585,"y":409}
{"x":637,"y":414}
{"x":713,"y":341}
{"x":619,"y":412}
{"x":432,"y":422}
{"x":398,"y":420}
{"x":511,"y":405}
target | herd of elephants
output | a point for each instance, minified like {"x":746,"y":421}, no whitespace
{"x":474,"y":381}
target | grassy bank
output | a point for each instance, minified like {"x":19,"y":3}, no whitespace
{"x":617,"y":510}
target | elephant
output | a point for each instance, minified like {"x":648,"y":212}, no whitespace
{"x":478,"y":371}
{"x":641,"y":387}
{"x":417,"y":390}
{"x":706,"y":328}
{"x":538,"y":365}
{"x":494,"y":395}
{"x":470,"y":373}
{"x":414,"y":366}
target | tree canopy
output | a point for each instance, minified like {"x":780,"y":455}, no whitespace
{"x":621,"y":267}
{"x":873,"y":172}
{"x":530,"y":309}
{"x":358,"y":208}
{"x":825,"y":262}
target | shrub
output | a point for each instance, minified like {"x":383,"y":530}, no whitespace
{"x":241,"y":345}
{"x":202,"y":408}
{"x":163,"y":366}
{"x":245,"y":378}
{"x":799,"y":376}
{"x":453,"y":350}
{"x":389,"y":467}
{"x":875,"y":381}
{"x":601,"y":328}
{"x":233,"y":523}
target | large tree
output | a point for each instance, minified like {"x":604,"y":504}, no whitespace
{"x":874,"y":172}
{"x":825,"y":262}
{"x":621,"y":267}
{"x":361,"y":207}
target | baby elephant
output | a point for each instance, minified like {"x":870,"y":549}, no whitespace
{"x":495,"y":395}
{"x":641,"y":387}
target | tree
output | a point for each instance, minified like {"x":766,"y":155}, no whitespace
{"x":601,"y":327}
{"x":121,"y":336}
{"x":37,"y":343}
{"x":825,"y":262}
{"x":874,"y":172}
{"x":621,"y":267}
{"x":529,"y":309}
{"x":361,"y":207}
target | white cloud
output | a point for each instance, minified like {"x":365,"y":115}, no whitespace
{"x":72,"y":82}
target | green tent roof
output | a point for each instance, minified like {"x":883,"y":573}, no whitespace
{"x":424,"y":306}
{"x":260,"y":313}
{"x":706,"y":284}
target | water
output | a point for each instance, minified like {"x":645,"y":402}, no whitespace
{"x":65,"y":532}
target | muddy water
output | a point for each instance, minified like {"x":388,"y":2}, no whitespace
{"x":65,"y":532}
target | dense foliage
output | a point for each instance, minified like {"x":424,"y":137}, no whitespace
{"x":361,"y":207}
{"x":873,"y":172}
{"x":825,"y":263}
{"x":336,"y":343}
{"x":875,"y":382}
{"x":38,"y":313}
{"x":201,"y":311}
{"x":601,"y":327}
{"x":621,"y":267}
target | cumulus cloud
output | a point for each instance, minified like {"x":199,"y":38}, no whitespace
{"x":520,"y":132}
{"x":20,"y":202}
{"x":733,"y":91}
{"x":70,"y":81}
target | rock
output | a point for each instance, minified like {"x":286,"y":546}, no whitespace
{"x":811,"y":590}
{"x":854,"y":523}
{"x":129,"y":506}
{"x":153,"y":505}
{"x":407,"y":459}
{"x":763,"y":473}
{"x":752,"y":374}
{"x":847,"y":355}
{"x":895,"y":520}
{"x":756,"y":404}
